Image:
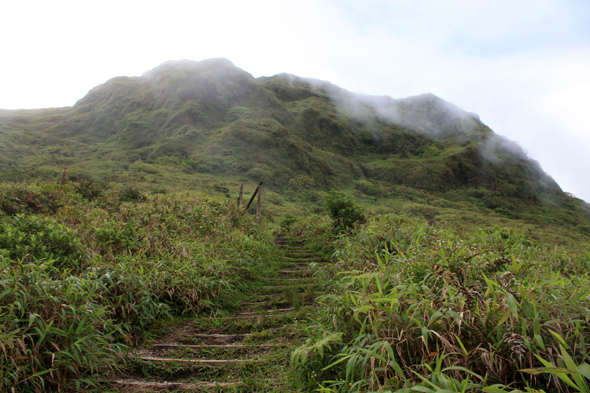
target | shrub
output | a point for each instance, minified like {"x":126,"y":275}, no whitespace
{"x":16,"y":199}
{"x":287,"y":221}
{"x":79,"y":282}
{"x":87,"y":187}
{"x":368,"y":188}
{"x":27,"y":237}
{"x":54,"y":334}
{"x":343,"y":210}
{"x":131,"y":194}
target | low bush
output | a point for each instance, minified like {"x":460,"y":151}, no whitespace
{"x":343,"y":210}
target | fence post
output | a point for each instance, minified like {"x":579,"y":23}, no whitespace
{"x":241,"y":196}
{"x":63,"y":177}
{"x":252,"y":199}
{"x":258,"y":208}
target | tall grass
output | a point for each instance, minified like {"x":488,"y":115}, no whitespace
{"x":81,"y":279}
{"x":425,"y":309}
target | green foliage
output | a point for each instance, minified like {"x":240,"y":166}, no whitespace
{"x":425,"y":309}
{"x":366,"y":187}
{"x":82,"y":279}
{"x":32,"y":237}
{"x":287,"y":221}
{"x":88,"y":187}
{"x":17,"y":199}
{"x":131,"y":194}
{"x":567,"y":370}
{"x":343,"y":210}
{"x":85,"y":269}
{"x":186,"y":124}
{"x":53,"y":331}
{"x":312,"y":358}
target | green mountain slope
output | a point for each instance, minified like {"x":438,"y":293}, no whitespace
{"x":210,"y":125}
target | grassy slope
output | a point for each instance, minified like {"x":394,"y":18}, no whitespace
{"x":210,"y":126}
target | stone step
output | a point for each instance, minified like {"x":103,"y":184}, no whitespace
{"x":169,"y":386}
{"x":279,"y":310}
{"x":208,"y":362}
{"x":177,"y":346}
{"x":250,"y":344}
{"x":296,"y":271}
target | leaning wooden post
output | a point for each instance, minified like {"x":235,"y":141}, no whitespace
{"x":258,"y":208}
{"x":252,"y":199}
{"x":241,"y":196}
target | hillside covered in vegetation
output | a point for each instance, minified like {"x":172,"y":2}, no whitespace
{"x":211,"y":126}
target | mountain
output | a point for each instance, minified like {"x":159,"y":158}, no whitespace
{"x":210,"y":125}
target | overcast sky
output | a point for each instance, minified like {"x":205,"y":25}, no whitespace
{"x":522,"y":65}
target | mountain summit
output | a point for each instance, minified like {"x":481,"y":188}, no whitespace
{"x":300,"y":136}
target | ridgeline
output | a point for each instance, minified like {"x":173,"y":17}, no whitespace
{"x":210,"y":126}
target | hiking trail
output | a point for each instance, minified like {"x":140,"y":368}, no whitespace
{"x":247,"y":351}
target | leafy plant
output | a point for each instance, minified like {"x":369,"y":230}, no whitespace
{"x":131,"y":194}
{"x":428,"y":309}
{"x":287,"y":221}
{"x":343,"y":210}
{"x":311,"y":358}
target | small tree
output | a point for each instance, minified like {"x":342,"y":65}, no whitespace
{"x":343,"y":210}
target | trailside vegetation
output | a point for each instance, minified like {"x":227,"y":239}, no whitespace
{"x":343,"y":210}
{"x":85,"y":275}
{"x":412,"y":307}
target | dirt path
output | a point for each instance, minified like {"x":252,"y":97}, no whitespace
{"x":247,"y":351}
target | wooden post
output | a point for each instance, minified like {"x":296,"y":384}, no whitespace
{"x":63,"y":177}
{"x":241,"y":196}
{"x":258,"y":208}
{"x":252,"y":199}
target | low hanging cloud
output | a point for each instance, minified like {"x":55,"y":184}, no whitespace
{"x":522,"y":66}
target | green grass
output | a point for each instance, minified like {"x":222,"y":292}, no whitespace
{"x":411,"y":306}
{"x":90,"y":269}
{"x":85,"y":272}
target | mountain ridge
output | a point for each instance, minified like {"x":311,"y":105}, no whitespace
{"x":301,"y":136}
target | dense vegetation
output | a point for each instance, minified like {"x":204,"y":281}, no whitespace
{"x":86,"y":273}
{"x":409,"y":306}
{"x":210,"y":126}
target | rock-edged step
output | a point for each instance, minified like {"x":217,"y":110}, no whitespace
{"x":295,"y":258}
{"x":300,"y":253}
{"x":275,"y":296}
{"x":273,"y":311}
{"x":288,"y":240}
{"x":206,"y":346}
{"x":297,"y":265}
{"x":273,"y":289}
{"x":168,"y":386}
{"x":287,"y":281}
{"x":268,"y":304}
{"x":294,"y":272}
{"x":208,"y":362}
